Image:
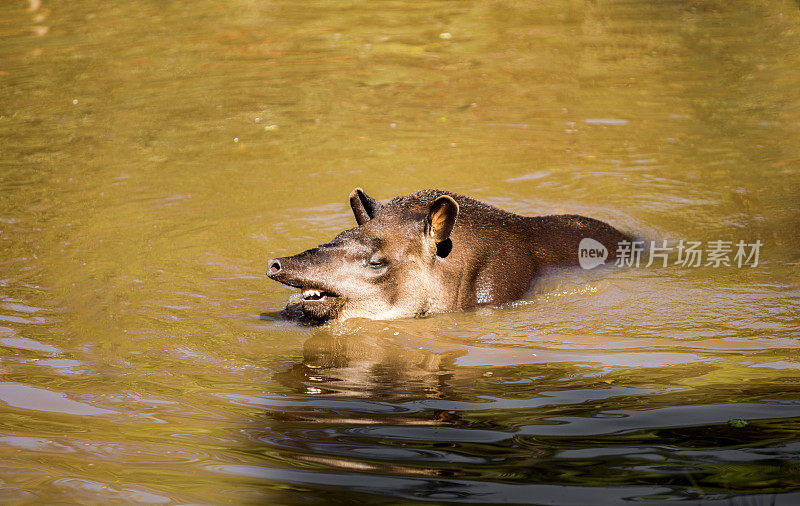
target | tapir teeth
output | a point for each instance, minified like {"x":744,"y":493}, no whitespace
{"x":314,"y":294}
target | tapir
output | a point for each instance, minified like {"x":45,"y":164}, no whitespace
{"x":429,"y":252}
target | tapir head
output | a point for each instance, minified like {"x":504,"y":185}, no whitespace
{"x":383,"y":268}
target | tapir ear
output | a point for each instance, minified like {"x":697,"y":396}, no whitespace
{"x":364,"y":207}
{"x":441,"y":218}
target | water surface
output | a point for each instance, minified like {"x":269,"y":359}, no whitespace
{"x":155,"y":155}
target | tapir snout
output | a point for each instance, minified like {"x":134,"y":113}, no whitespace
{"x":315,"y":272}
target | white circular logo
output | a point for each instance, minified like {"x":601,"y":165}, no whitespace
{"x":591,"y":253}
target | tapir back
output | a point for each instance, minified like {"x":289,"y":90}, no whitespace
{"x":494,"y":255}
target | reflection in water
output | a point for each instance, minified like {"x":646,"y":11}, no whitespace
{"x":364,"y":363}
{"x":154,"y":156}
{"x":388,"y":406}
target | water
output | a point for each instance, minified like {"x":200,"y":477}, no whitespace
{"x":154,"y":155}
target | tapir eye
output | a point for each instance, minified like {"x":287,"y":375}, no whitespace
{"x":376,"y":262}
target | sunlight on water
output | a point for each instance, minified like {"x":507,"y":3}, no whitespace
{"x":154,"y":156}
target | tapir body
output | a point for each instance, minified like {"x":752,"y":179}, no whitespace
{"x":432,"y":251}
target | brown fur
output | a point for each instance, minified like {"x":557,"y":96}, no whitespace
{"x":434,"y":251}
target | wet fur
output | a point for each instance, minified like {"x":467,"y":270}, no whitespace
{"x":490,"y":257}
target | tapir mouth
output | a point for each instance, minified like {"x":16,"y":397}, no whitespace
{"x":316,"y":295}
{"x":314,"y":300}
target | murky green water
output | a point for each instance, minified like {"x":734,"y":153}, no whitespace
{"x":154,"y":155}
